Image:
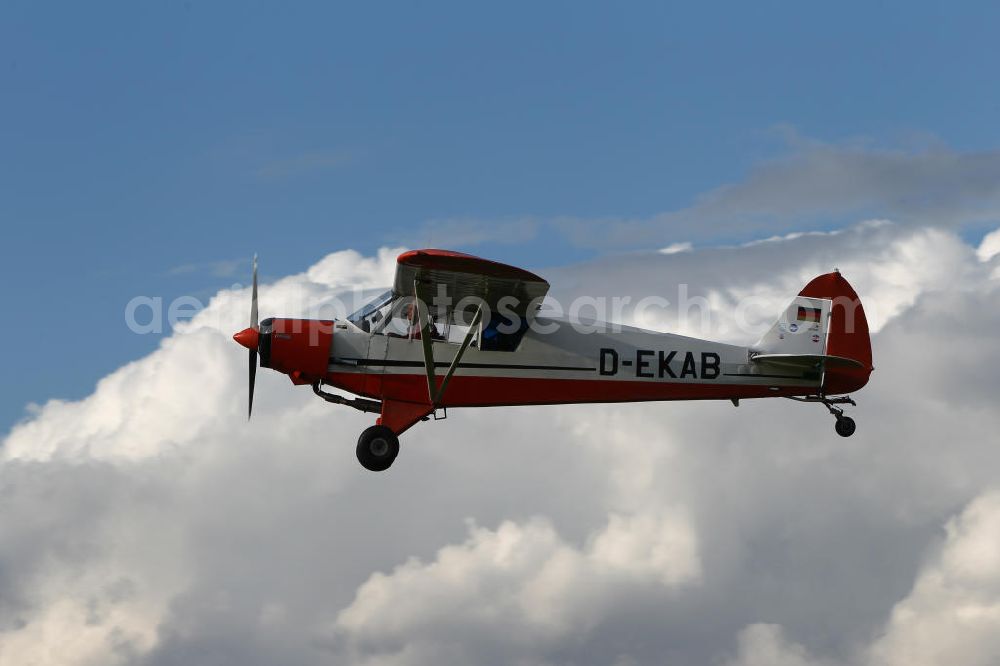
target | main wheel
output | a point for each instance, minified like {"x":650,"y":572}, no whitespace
{"x":377,"y":448}
{"x":845,"y":426}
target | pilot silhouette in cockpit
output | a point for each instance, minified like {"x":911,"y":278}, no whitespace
{"x":413,"y":331}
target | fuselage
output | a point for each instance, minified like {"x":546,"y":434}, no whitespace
{"x":558,"y":362}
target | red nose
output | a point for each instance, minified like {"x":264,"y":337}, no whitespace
{"x":248,"y":337}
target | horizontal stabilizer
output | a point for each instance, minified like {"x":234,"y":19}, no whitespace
{"x":807,"y":360}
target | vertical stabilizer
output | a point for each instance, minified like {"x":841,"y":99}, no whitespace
{"x":825,"y":319}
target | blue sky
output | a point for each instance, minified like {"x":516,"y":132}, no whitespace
{"x":140,"y":140}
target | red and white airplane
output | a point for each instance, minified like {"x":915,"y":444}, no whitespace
{"x":460,"y":331}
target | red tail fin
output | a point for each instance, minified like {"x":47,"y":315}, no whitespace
{"x":848,"y":332}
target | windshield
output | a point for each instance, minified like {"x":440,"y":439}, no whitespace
{"x":371,"y":314}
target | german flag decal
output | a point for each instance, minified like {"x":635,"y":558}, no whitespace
{"x":809,"y":314}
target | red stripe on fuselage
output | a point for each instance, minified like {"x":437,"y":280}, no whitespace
{"x":479,"y":391}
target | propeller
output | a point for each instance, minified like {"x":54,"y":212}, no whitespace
{"x":250,"y":337}
{"x":255,"y":325}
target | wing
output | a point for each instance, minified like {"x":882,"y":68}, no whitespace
{"x":466,"y":282}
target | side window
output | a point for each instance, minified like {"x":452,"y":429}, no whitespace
{"x":401,"y":318}
{"x":402,"y":321}
{"x":456,"y":334}
{"x":498,"y":336}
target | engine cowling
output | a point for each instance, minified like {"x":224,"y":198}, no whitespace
{"x":300,"y":348}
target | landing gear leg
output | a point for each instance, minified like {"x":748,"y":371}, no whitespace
{"x":378,"y":446}
{"x":845,"y":425}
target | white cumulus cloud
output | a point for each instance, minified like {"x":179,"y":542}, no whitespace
{"x":149,"y":523}
{"x":952,"y":615}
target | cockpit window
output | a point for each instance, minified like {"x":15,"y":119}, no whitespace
{"x":396,"y":317}
{"x":402,"y":321}
{"x":369,"y":316}
{"x":388,"y":315}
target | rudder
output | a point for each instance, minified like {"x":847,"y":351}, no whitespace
{"x":847,"y":334}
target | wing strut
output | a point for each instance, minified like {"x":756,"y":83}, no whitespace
{"x":425,"y":339}
{"x":458,"y":355}
{"x":435,"y":394}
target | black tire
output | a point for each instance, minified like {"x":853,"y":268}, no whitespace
{"x":377,"y":448}
{"x":845,"y":426}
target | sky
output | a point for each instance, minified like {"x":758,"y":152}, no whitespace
{"x":149,"y":150}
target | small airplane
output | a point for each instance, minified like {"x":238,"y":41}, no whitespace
{"x":456,"y":330}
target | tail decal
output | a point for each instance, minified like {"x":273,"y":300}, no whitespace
{"x":801,"y":329}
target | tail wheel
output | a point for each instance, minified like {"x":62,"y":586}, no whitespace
{"x":845,"y":426}
{"x":378,"y":446}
